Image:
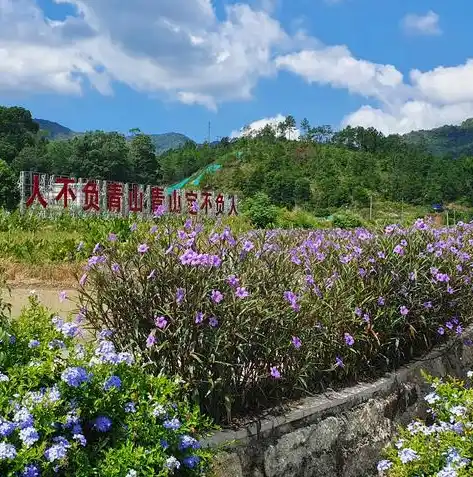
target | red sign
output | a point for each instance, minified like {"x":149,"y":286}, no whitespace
{"x":120,"y":198}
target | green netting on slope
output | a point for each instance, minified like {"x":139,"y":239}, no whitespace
{"x":195,"y":181}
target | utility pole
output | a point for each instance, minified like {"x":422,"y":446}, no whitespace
{"x":208,"y":139}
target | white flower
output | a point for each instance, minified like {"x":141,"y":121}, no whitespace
{"x":131,"y":473}
{"x":3,"y":377}
{"x":432,"y":398}
{"x":469,"y":374}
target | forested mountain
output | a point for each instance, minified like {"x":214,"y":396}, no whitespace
{"x":453,"y":141}
{"x":162,"y":142}
{"x":321,"y":171}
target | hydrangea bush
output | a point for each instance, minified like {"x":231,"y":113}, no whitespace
{"x":252,"y":319}
{"x":74,"y":409}
{"x":442,"y":447}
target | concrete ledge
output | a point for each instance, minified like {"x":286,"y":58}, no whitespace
{"x":287,"y":445}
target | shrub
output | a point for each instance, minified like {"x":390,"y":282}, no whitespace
{"x":250,"y":320}
{"x":441,"y":448}
{"x":71,"y":409}
{"x":347,"y":220}
{"x":260,"y":210}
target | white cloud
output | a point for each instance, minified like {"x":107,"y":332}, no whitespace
{"x":173,"y":46}
{"x":182,"y":49}
{"x":260,"y":124}
{"x":427,"y":24}
{"x":335,"y":66}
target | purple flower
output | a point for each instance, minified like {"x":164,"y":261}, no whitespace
{"x":180,"y":294}
{"x":133,"y":227}
{"x":339,"y":362}
{"x":213,"y":322}
{"x":358,"y":311}
{"x":366,"y":317}
{"x":102,"y":424}
{"x":112,"y":237}
{"x":115,"y":267}
{"x":151,"y":340}
{"x":275,"y":372}
{"x":247,"y":246}
{"x":427,"y":305}
{"x":161,"y":322}
{"x":296,"y":342}
{"x":441,"y":330}
{"x":199,"y":317}
{"x":241,"y":292}
{"x":143,"y":248}
{"x":83,"y":279}
{"x":291,"y":297}
{"x":398,"y":249}
{"x":151,"y":274}
{"x":62,"y":296}
{"x":159,"y":211}
{"x":403,"y":310}
{"x":33,"y":344}
{"x":233,"y":280}
{"x":349,"y":340}
{"x":216,"y":296}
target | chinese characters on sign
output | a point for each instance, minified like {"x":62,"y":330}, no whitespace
{"x":46,"y":192}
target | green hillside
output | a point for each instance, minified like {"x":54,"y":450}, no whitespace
{"x":162,"y":142}
{"x":453,"y":141}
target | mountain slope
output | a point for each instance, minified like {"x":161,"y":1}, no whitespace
{"x":454,"y":141}
{"x":54,"y":130}
{"x":163,"y":142}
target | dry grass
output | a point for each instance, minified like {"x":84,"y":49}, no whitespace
{"x":48,"y":275}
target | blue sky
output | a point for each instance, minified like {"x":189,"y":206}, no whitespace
{"x":175,"y":65}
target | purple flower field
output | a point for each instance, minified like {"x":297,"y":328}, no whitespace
{"x":251,"y":320}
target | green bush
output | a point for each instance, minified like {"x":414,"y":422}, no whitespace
{"x":252,"y":319}
{"x":346,"y":220}
{"x":71,"y":409}
{"x":260,"y":210}
{"x":442,"y":447}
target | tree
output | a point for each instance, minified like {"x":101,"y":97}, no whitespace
{"x":142,"y":156}
{"x":17,"y":130}
{"x":9,"y":192}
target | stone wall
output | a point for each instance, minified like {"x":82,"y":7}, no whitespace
{"x":338,"y":434}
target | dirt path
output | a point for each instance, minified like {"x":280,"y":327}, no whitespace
{"x":49,"y":297}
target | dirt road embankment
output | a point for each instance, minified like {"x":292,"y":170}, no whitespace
{"x":49,"y":297}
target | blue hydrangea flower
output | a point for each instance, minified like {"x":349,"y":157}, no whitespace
{"x":102,"y":424}
{"x":186,"y":441}
{"x":7,"y":451}
{"x":130,"y":407}
{"x":191,"y":461}
{"x":55,"y":452}
{"x":30,"y":471}
{"x":33,"y":344}
{"x":29,"y":435}
{"x":23,"y":418}
{"x":75,"y":376}
{"x":112,"y":382}
{"x":172,"y":463}
{"x":172,"y":424}
{"x":6,"y":428}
